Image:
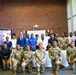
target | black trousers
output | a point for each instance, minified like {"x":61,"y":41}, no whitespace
{"x":0,"y":61}
{"x":75,"y":43}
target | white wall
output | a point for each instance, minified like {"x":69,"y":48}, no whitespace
{"x":74,"y":6}
{"x":71,"y":15}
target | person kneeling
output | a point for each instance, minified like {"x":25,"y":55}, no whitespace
{"x":40,"y":56}
{"x":71,"y":56}
{"x":16,"y":60}
{"x":55,"y":55}
{"x":27,"y":59}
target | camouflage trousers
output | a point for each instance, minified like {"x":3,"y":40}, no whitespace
{"x":54,"y":65}
{"x":29,"y":65}
{"x":40,"y":67}
{"x":72,"y":64}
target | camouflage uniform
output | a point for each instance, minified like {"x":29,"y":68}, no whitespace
{"x":55,"y":55}
{"x":71,"y":56}
{"x":40,"y":56}
{"x":16,"y":60}
{"x":27,"y":57}
{"x":63,"y":43}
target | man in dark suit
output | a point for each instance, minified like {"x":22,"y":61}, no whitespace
{"x":21,"y":40}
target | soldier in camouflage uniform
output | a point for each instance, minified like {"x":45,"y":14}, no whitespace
{"x":16,"y":59}
{"x":27,"y":59}
{"x":63,"y":42}
{"x":55,"y":55}
{"x":40,"y":56}
{"x":71,"y":55}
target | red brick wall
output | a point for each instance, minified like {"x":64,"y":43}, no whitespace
{"x":21,"y":15}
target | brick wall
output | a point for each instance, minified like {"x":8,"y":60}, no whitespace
{"x":21,"y":15}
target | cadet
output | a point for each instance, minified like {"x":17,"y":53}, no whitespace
{"x":40,"y":56}
{"x":16,"y":59}
{"x":27,"y":59}
{"x":55,"y":55}
{"x":63,"y":42}
{"x":71,"y":55}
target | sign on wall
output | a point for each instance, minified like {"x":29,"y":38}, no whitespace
{"x":39,"y":32}
{"x":3,"y":34}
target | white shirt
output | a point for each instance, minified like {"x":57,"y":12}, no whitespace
{"x":38,"y":41}
{"x":44,"y":42}
{"x":14,"y":41}
{"x":47,"y":38}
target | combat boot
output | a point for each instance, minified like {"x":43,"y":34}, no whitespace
{"x":42,"y":68}
{"x":29,"y":71}
{"x":14,"y":73}
{"x":56,"y":73}
{"x":23,"y":73}
{"x":38,"y":73}
{"x":42,"y":72}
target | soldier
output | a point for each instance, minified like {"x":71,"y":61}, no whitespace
{"x":63,"y":42}
{"x":16,"y":59}
{"x":71,"y":55}
{"x":40,"y":56}
{"x":55,"y":55}
{"x":27,"y":59}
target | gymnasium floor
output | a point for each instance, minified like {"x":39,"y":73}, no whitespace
{"x":48,"y":71}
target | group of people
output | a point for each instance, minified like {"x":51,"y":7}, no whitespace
{"x":22,"y":59}
{"x":24,"y":49}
